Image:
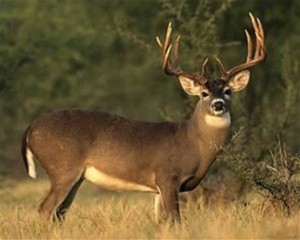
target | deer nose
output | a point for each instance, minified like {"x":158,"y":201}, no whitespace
{"x":218,"y":105}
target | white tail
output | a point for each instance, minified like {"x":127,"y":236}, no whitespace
{"x":30,"y":163}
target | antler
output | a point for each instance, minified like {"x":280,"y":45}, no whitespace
{"x":171,"y":66}
{"x":252,"y":59}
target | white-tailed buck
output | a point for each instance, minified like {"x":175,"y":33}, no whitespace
{"x":117,"y":153}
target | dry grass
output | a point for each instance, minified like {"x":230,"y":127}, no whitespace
{"x":103,"y":215}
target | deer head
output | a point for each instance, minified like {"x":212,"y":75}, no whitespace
{"x":215,"y":94}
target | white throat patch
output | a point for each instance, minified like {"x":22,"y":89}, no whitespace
{"x":223,"y":121}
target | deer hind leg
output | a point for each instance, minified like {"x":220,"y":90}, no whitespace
{"x":65,"y":205}
{"x":59,"y":198}
{"x":167,"y":205}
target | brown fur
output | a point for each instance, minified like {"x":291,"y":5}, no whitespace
{"x":162,"y":155}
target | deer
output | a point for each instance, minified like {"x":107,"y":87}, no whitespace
{"x":121,"y":154}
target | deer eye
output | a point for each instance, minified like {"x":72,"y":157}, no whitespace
{"x":204,"y":94}
{"x":227,"y":92}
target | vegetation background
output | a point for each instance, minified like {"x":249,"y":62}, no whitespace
{"x":102,"y":55}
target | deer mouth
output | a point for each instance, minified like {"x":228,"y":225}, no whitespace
{"x":219,"y":112}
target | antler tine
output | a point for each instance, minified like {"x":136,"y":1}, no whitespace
{"x":261,"y":30}
{"x":168,"y":36}
{"x":256,"y":32}
{"x":166,"y":49}
{"x":252,"y":58}
{"x":204,"y":67}
{"x":176,"y":50}
{"x":166,"y":58}
{"x":259,"y":38}
{"x":202,"y":79}
{"x":249,"y":45}
{"x":159,"y":42}
{"x":221,"y":68}
{"x":171,"y":66}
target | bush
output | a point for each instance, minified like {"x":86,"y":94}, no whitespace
{"x":276,"y":176}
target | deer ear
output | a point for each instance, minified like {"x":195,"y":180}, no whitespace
{"x":239,"y":81}
{"x":190,"y":86}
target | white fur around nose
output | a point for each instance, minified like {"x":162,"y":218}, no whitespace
{"x":113,"y":183}
{"x":218,"y":100}
{"x":222,"y":121}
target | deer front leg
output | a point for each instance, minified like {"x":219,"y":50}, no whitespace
{"x":167,"y":204}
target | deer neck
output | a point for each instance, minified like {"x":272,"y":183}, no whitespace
{"x":208,"y":133}
{"x":208,"y":128}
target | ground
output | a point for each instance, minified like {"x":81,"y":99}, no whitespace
{"x":98,"y":214}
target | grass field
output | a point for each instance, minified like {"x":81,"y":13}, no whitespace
{"x":99,"y":214}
